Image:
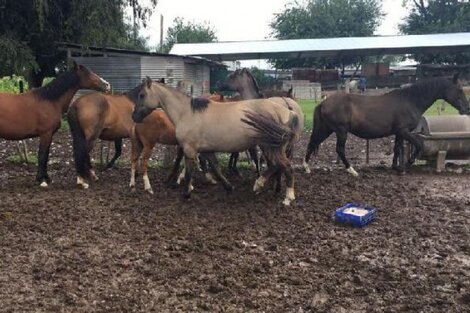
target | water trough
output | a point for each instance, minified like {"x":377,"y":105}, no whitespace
{"x":444,"y":137}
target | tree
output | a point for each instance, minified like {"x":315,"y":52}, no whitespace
{"x":187,"y":32}
{"x":438,"y":16}
{"x":325,"y":19}
{"x":31,"y":29}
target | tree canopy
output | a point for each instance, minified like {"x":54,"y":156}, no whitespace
{"x":438,"y":16}
{"x":188,"y":32}
{"x":324,"y":19}
{"x":30,"y":29}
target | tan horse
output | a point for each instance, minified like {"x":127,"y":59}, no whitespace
{"x":38,"y":113}
{"x":204,"y":126}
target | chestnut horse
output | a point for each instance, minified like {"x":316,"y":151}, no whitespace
{"x":395,"y":113}
{"x":199,"y":129}
{"x":38,"y":113}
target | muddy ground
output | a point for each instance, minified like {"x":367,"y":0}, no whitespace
{"x":108,"y":249}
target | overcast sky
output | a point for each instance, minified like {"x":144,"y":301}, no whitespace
{"x":236,"y":20}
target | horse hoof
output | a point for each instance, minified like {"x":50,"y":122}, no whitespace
{"x":229,"y":189}
{"x":306,"y":167}
{"x":352,"y":171}
{"x":259,"y":184}
{"x":286,"y":202}
{"x":44,"y":185}
{"x":150,"y":191}
{"x":210,"y":179}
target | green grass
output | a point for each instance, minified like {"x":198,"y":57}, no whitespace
{"x":438,"y":108}
{"x":17,"y":159}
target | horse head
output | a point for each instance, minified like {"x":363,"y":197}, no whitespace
{"x":90,"y":80}
{"x":145,"y":100}
{"x":455,"y":95}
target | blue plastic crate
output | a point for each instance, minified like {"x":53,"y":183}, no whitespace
{"x":353,"y":214}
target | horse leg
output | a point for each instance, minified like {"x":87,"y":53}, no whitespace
{"x":207,"y":174}
{"x":289,"y":174}
{"x":136,"y":152}
{"x":416,"y":142}
{"x":253,"y":152}
{"x":146,"y":153}
{"x":188,"y":176}
{"x":214,"y":164}
{"x":117,"y":153}
{"x":316,"y":138}
{"x":233,"y":165}
{"x":91,"y":171}
{"x":43,"y":157}
{"x":397,"y":152}
{"x":171,"y":180}
{"x":341,"y":137}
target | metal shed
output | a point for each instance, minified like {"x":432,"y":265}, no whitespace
{"x":125,"y":69}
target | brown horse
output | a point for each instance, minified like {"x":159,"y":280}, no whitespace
{"x":98,"y":115}
{"x":38,"y":113}
{"x":199,"y":129}
{"x":395,"y":113}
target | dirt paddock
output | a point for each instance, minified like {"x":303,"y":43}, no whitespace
{"x":108,"y":249}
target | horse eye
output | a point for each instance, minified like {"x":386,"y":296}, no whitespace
{"x":141,"y":96}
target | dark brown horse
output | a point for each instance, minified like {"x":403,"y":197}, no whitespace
{"x":395,"y":113}
{"x":38,"y":113}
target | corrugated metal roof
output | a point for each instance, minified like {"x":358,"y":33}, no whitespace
{"x":328,"y":47}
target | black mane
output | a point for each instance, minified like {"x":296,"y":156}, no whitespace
{"x":199,"y":104}
{"x":255,"y":83}
{"x":56,"y":88}
{"x":422,"y":89}
{"x":133,"y":94}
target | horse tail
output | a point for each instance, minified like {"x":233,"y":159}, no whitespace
{"x":271,"y":134}
{"x":319,"y":133}
{"x":79,"y":143}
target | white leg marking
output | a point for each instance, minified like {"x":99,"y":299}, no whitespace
{"x":210,"y":179}
{"x":181,"y":177}
{"x":290,"y":196}
{"x":259,"y":184}
{"x":132,"y":182}
{"x":43,"y":184}
{"x":191,"y":187}
{"x":352,"y":171}
{"x":147,"y":185}
{"x":93,"y":175}
{"x":81,"y":182}
{"x":306,"y":167}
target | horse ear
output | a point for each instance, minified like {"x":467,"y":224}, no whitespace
{"x":148,"y":82}
{"x":162,"y":80}
{"x":74,"y":66}
{"x":456,"y":79}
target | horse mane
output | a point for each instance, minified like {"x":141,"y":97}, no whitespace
{"x":255,"y":83}
{"x":56,"y":88}
{"x":199,"y":104}
{"x":422,"y":88}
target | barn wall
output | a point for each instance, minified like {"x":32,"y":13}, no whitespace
{"x":122,"y":73}
{"x":172,"y":69}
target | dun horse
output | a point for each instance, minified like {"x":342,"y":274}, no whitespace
{"x":199,"y":128}
{"x":395,"y":113}
{"x":243,"y":82}
{"x":38,"y":113}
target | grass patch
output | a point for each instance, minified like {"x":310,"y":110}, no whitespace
{"x":17,"y":159}
{"x":440,"y":107}
{"x":64,"y":125}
